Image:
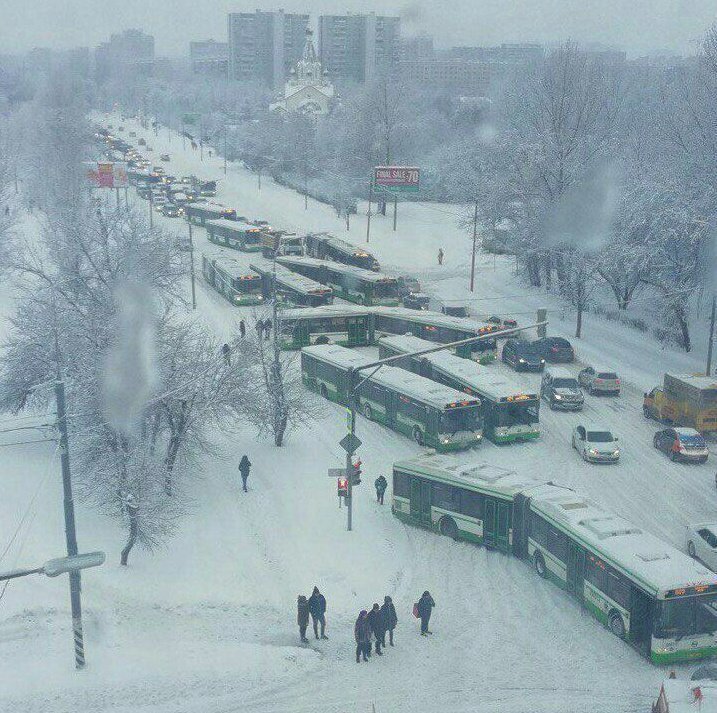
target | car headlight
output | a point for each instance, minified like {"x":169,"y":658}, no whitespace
{"x":445,"y":439}
{"x":593,"y":452}
{"x":616,"y":452}
{"x":521,"y":361}
{"x":558,"y":397}
{"x":542,"y":361}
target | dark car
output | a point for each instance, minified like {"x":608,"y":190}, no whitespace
{"x":683,"y":444}
{"x":555,"y":349}
{"x":455,"y":310}
{"x":416,"y":300}
{"x":171,"y":211}
{"x":522,"y":355}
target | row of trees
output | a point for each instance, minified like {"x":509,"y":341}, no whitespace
{"x":101,"y":304}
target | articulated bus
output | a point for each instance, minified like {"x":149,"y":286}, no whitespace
{"x":510,"y":407}
{"x":352,"y":283}
{"x":234,"y":234}
{"x":347,"y":325}
{"x":200,"y":213}
{"x":292,"y":288}
{"x":430,"y":413}
{"x":437,"y":327}
{"x":325,"y":246}
{"x":643,"y":590}
{"x":238,"y":285}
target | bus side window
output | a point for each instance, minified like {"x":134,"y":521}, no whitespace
{"x":401,"y":484}
{"x":595,"y":574}
{"x":471,"y":504}
{"x":445,"y":496}
{"x":539,"y":529}
{"x":557,"y":544}
{"x":618,"y":589}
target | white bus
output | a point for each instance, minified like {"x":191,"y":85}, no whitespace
{"x":645,"y":591}
{"x":430,"y":413}
{"x":510,"y":407}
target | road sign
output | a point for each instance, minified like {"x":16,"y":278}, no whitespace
{"x":350,"y":442}
{"x":397,"y":179}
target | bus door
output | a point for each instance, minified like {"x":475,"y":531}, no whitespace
{"x":496,"y":523}
{"x":356,"y":331}
{"x":421,"y":501}
{"x":301,"y":335}
{"x":391,"y":403}
{"x":640,"y":620}
{"x":576,"y":569}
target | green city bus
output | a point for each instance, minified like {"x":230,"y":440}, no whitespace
{"x":347,"y":325}
{"x":430,"y":413}
{"x":234,"y":234}
{"x":292,"y":288}
{"x":201,"y":213}
{"x":347,"y":281}
{"x":643,"y":590}
{"x":510,"y":407}
{"x":228,"y":278}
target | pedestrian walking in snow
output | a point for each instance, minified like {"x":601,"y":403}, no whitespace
{"x":388,"y":614}
{"x":210,"y":153}
{"x":244,"y":468}
{"x":267,"y":328}
{"x":259,"y":328}
{"x":242,"y":329}
{"x":317,"y":609}
{"x":424,"y":607}
{"x":7,"y":210}
{"x":440,"y":256}
{"x":381,"y":485}
{"x":227,"y":354}
{"x":376,"y":622}
{"x":362,"y":634}
{"x":302,"y":617}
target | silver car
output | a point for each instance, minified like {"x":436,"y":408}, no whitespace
{"x":596,"y":444}
{"x":599,"y":381}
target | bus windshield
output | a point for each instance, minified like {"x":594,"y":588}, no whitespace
{"x":460,"y":419}
{"x":516,"y":414}
{"x":247,"y":284}
{"x":384,"y":289}
{"x":686,"y":616}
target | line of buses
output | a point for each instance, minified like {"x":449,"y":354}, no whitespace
{"x":644,"y":591}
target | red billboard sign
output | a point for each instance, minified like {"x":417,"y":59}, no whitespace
{"x":397,"y":178}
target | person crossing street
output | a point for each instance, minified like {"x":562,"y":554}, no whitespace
{"x":381,"y":484}
{"x":317,"y":609}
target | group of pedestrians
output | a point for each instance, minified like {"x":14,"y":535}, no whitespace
{"x":314,"y":607}
{"x":263,"y":328}
{"x":372,"y":626}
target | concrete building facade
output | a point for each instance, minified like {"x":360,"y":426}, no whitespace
{"x":209,"y":57}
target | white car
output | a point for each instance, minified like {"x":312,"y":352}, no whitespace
{"x":596,"y":444}
{"x":701,"y":541}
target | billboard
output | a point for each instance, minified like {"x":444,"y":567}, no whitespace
{"x":108,"y":174}
{"x":398,"y":179}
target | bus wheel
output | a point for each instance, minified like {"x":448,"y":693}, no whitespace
{"x":324,"y":391}
{"x":418,"y":435}
{"x":368,"y":411}
{"x":617,"y":625}
{"x":539,"y":564}
{"x":449,"y":528}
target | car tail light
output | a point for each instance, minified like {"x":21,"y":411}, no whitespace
{"x":617,"y":381}
{"x":598,"y":381}
{"x":553,"y":349}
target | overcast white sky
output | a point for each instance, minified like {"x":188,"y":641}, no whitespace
{"x":636,"y":25}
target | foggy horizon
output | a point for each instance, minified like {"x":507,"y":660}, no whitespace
{"x":672,"y":26}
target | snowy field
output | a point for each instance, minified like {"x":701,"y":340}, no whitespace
{"x":209,"y":624}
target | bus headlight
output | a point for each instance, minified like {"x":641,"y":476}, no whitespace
{"x":445,"y":439}
{"x":558,"y":397}
{"x":521,"y":361}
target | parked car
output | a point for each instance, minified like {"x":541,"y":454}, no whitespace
{"x":502,"y":322}
{"x":141,"y":142}
{"x":407,"y":284}
{"x":555,"y":349}
{"x":455,"y":310}
{"x":164,"y":157}
{"x":599,"y":381}
{"x":416,"y":300}
{"x":682,"y":443}
{"x":522,"y":355}
{"x":595,"y":444}
{"x":170,"y":210}
{"x":701,"y":542}
{"x":561,"y":390}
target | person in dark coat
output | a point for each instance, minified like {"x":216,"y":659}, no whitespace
{"x":440,"y":256}
{"x":381,"y":485}
{"x":259,"y":328}
{"x":425,"y":607}
{"x":267,"y":328}
{"x":227,"y":354}
{"x":377,"y":629}
{"x":317,"y":609}
{"x":244,"y":468}
{"x":302,"y":617}
{"x":388,"y":614}
{"x":242,"y":329}
{"x":362,"y":634}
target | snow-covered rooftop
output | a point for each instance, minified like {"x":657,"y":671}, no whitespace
{"x":292,"y":280}
{"x":357,"y":272}
{"x":430,"y":318}
{"x":336,"y":310}
{"x":234,"y":226}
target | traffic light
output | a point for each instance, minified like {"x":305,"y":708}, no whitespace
{"x":342,"y":487}
{"x":356,"y":475}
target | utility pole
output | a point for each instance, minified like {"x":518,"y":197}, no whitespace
{"x":708,"y":371}
{"x":201,"y":139}
{"x":151,"y":208}
{"x":368,"y":214}
{"x":475,"y":235}
{"x":118,"y":197}
{"x":225,"y":149}
{"x":191,"y":264}
{"x":395,"y":212}
{"x":70,"y":532}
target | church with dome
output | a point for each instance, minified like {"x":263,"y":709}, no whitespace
{"x":308,"y":89}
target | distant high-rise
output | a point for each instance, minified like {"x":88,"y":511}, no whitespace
{"x":359,"y":47}
{"x":209,"y":57}
{"x":131,"y":49}
{"x":263,"y":46}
